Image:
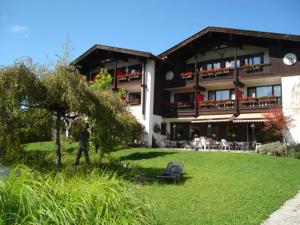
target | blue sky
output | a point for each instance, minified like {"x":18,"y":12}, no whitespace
{"x":38,"y":28}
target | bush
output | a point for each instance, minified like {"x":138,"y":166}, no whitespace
{"x":31,"y":198}
{"x":295,"y":151}
{"x":274,"y":149}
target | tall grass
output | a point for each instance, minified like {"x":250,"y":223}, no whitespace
{"x":32,"y":198}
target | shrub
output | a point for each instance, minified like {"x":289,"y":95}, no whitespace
{"x":274,"y":149}
{"x":295,"y":151}
{"x":31,"y":198}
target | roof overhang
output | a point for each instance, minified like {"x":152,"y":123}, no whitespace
{"x":228,"y":35}
{"x":98,"y":54}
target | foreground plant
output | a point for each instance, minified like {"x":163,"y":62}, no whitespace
{"x":27,"y":197}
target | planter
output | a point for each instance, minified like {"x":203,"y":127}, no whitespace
{"x":134,"y":76}
{"x":186,"y":75}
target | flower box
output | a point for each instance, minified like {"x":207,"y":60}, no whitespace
{"x":248,"y":100}
{"x":135,"y":75}
{"x":186,"y":75}
{"x":222,"y":71}
{"x":122,"y":77}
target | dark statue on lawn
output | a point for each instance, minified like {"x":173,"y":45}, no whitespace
{"x":83,"y":145}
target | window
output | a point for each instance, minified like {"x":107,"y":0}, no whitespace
{"x":254,"y":60}
{"x":135,"y":96}
{"x":251,"y":92}
{"x":221,"y":95}
{"x":263,"y":91}
{"x":211,"y":95}
{"x":231,"y":64}
{"x":184,"y":97}
{"x":277,"y":90}
{"x":217,"y":65}
{"x":209,"y":66}
{"x":272,"y":90}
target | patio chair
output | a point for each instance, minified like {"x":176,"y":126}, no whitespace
{"x":196,"y":144}
{"x":173,"y":144}
{"x":225,"y":144}
{"x":174,"y":171}
{"x":203,"y":142}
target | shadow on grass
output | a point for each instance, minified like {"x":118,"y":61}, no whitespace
{"x":145,"y":155}
{"x":141,"y":175}
{"x":123,"y":167}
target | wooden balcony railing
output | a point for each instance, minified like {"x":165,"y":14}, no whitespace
{"x":262,"y":102}
{"x":258,"y":69}
{"x":246,"y":70}
{"x":220,"y":106}
{"x":215,"y":73}
{"x":129,"y":76}
{"x":216,"y":105}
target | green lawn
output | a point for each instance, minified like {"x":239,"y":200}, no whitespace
{"x":217,"y":188}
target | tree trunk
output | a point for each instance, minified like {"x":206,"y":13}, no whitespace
{"x":57,"y":141}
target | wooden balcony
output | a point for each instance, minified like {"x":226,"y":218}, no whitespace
{"x":213,"y":74}
{"x":181,"y":109}
{"x":221,"y":106}
{"x":216,"y":73}
{"x":127,"y":77}
{"x":252,"y":70}
{"x":215,"y":107}
{"x":259,"y":104}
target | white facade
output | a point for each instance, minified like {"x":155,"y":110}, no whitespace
{"x":147,"y":119}
{"x":291,"y":105}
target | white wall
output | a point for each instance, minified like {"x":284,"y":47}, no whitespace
{"x":149,"y":99}
{"x":291,"y":104}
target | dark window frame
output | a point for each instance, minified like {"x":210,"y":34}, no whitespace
{"x":231,"y":91}
{"x":272,"y":85}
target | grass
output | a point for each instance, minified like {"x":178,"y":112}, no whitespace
{"x":217,"y":188}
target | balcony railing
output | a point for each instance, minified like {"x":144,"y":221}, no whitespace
{"x":178,"y":109}
{"x":129,"y":76}
{"x":246,"y":70}
{"x":227,"y":104}
{"x":215,"y":73}
{"x":259,"y":103}
{"x":219,"y":106}
{"x":258,"y":69}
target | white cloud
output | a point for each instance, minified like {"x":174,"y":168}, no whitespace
{"x":18,"y":29}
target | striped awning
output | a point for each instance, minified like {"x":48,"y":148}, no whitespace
{"x":213,"y":118}
{"x":249,"y":118}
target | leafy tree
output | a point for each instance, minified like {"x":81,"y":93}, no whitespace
{"x":119,"y":126}
{"x":277,"y":124}
{"x":19,"y":91}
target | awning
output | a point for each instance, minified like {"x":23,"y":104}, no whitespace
{"x":213,"y":118}
{"x":249,"y":118}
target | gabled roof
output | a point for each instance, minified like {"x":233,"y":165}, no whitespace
{"x":222,"y":30}
{"x":118,"y":50}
